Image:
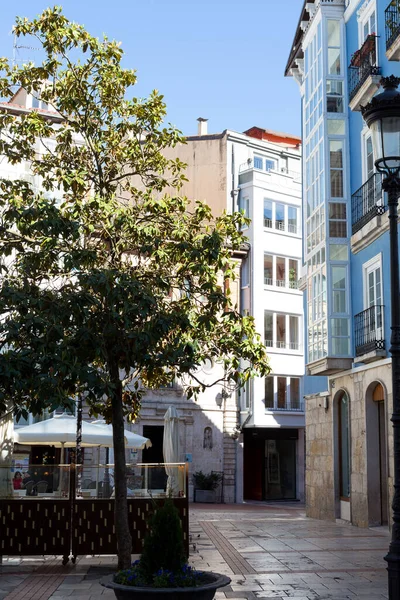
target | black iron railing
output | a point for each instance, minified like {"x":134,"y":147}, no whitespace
{"x":294,"y":405}
{"x":362,"y":65}
{"x":367,"y":202}
{"x":369,"y":330}
{"x":392,"y":23}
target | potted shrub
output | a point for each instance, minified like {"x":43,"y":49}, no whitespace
{"x":205,"y":485}
{"x":163,"y":568}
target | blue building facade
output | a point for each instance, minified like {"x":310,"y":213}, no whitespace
{"x":340,"y":51}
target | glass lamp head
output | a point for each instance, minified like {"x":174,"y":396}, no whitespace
{"x":382,"y":115}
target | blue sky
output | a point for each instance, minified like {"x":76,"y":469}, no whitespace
{"x":219,"y":59}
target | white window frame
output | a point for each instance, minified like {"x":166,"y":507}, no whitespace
{"x":271,"y":160}
{"x":42,"y":104}
{"x":244,"y":205}
{"x":260,"y":157}
{"x":371,"y":265}
{"x":288,"y":404}
{"x":286,"y":286}
{"x":286,"y":348}
{"x":365,"y":134}
{"x":363,"y":17}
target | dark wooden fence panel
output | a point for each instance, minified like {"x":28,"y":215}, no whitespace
{"x":35,"y":527}
{"x":93,"y":529}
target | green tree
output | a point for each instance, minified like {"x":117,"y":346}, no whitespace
{"x":118,"y":286}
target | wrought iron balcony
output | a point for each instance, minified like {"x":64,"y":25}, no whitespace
{"x":369,"y":330}
{"x":392,"y":23}
{"x":367,"y":202}
{"x":362,"y":65}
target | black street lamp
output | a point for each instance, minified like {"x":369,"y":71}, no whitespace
{"x":382,"y":116}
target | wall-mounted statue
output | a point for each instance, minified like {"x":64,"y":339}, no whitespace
{"x":207,"y":440}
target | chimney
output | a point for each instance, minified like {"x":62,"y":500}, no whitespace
{"x":202,"y":126}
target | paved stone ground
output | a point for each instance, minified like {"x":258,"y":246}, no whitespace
{"x":269,"y":551}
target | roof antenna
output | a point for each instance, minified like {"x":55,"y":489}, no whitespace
{"x":16,"y":48}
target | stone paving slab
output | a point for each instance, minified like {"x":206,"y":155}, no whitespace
{"x":269,"y":551}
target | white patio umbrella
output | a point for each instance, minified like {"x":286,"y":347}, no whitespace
{"x":132,"y":440}
{"x":60,"y":431}
{"x":171,"y":451}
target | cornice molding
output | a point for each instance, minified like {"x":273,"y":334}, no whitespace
{"x":363,"y":8}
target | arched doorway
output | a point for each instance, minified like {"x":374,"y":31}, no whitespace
{"x":377,"y":475}
{"x":342,"y":454}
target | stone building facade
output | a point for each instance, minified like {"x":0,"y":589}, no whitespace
{"x":368,"y":392}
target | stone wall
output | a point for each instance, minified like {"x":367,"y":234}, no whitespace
{"x":359,"y":385}
{"x":319,"y":460}
{"x":322,"y":466}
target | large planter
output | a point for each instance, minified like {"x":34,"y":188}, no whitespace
{"x":201,"y":592}
{"x":206,"y":496}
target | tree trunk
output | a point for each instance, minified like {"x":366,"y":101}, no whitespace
{"x":124,"y":540}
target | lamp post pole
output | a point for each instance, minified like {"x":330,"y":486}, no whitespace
{"x":382,"y":115}
{"x":392,"y":186}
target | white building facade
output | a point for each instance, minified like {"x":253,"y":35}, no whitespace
{"x":260,"y":430}
{"x":272,"y":412}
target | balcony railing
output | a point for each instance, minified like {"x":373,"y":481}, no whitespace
{"x":249,"y":166}
{"x":367,"y":202}
{"x":369,"y":330}
{"x":282,"y":344}
{"x":282,"y":283}
{"x":362,"y":65}
{"x":392,"y":23}
{"x":293,"y":405}
{"x":281,"y":226}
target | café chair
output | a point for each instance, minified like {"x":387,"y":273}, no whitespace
{"x":30,"y":488}
{"x":41,"y":487}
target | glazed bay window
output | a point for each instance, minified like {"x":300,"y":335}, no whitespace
{"x":244,"y":206}
{"x":333,"y":47}
{"x":336,"y":168}
{"x":281,"y":330}
{"x":340,"y":337}
{"x":269,"y":278}
{"x":281,"y":217}
{"x":269,"y":392}
{"x":280,"y":271}
{"x":268,"y":214}
{"x":282,"y":393}
{"x":339,"y":289}
{"x":280,"y":340}
{"x":268,"y":329}
{"x":340,"y":324}
{"x":337,"y":220}
{"x":292,"y":219}
{"x":334,"y":96}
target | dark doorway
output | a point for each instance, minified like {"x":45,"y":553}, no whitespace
{"x":157,"y":477}
{"x":269,"y":464}
{"x":280,"y":470}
